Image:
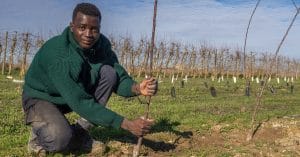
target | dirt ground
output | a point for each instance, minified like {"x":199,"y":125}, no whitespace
{"x":275,"y":137}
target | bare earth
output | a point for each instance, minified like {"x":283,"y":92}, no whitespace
{"x":275,"y":137}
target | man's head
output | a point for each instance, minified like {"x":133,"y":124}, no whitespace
{"x":85,"y":24}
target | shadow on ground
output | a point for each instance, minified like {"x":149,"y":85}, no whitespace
{"x":162,"y":125}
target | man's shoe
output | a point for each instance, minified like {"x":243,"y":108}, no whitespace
{"x":84,"y":142}
{"x":84,"y":123}
{"x":34,"y":148}
{"x":93,"y":146}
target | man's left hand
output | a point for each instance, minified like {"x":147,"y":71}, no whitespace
{"x":148,"y":87}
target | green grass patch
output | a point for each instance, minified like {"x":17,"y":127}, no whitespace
{"x":192,"y":109}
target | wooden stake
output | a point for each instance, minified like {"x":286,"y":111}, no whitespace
{"x":136,"y":149}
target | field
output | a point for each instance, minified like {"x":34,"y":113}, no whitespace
{"x":191,"y":124}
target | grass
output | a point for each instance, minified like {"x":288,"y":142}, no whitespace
{"x":193,"y":109}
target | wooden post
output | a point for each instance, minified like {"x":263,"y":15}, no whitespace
{"x":136,"y":150}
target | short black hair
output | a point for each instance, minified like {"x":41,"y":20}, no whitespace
{"x":86,"y":9}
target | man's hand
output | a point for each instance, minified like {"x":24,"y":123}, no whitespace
{"x":138,"y":127}
{"x":148,"y":87}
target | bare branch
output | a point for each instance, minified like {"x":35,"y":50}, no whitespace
{"x":246,"y":36}
{"x":294,"y":3}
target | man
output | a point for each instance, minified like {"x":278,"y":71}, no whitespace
{"x":77,"y":71}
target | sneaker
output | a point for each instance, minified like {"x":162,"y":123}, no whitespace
{"x":84,"y":123}
{"x":93,"y":146}
{"x":34,"y":148}
{"x":83,"y":141}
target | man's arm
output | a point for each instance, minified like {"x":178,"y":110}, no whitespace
{"x":141,"y":126}
{"x":78,"y":100}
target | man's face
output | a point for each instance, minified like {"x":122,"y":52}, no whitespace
{"x":86,"y":30}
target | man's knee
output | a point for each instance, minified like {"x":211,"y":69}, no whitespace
{"x":108,"y":73}
{"x":53,"y":138}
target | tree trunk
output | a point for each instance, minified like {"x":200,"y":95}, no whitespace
{"x":4,"y":53}
{"x":26,"y":49}
{"x":11,"y":57}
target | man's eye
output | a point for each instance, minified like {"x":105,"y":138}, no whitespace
{"x":82,"y":28}
{"x":95,"y":30}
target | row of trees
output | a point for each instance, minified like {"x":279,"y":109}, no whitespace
{"x":169,"y":58}
{"x":16,"y":51}
{"x":203,"y":60}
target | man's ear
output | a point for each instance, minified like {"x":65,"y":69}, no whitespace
{"x":71,"y":26}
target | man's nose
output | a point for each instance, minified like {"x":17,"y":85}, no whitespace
{"x":88,"y":33}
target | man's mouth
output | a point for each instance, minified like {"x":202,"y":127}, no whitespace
{"x":87,"y":42}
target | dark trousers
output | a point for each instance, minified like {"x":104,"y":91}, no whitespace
{"x":54,"y":132}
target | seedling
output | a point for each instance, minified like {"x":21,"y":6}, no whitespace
{"x":247,"y":91}
{"x":213,"y":91}
{"x":173,"y":92}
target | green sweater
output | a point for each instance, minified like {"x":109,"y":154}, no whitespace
{"x":63,"y":73}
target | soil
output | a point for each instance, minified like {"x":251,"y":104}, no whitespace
{"x":275,"y":137}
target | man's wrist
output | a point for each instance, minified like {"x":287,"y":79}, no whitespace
{"x":136,"y":89}
{"x":124,"y":124}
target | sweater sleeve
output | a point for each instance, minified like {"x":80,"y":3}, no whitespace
{"x":78,"y":100}
{"x":125,"y":83}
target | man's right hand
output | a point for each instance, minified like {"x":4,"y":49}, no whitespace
{"x":138,"y":127}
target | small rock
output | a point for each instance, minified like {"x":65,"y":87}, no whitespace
{"x":216,"y":128}
{"x":243,"y":109}
{"x":276,"y":125}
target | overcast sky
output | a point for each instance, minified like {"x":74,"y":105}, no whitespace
{"x":216,"y":22}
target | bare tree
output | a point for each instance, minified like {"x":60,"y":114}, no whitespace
{"x":26,"y":47}
{"x":203,"y":52}
{"x":171,"y":53}
{"x":176,"y":60}
{"x":12,"y":50}
{"x":161,"y":53}
{"x":0,"y":50}
{"x":4,"y":53}
{"x":237,"y":63}
{"x":183,"y":60}
{"x":192,"y":62}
